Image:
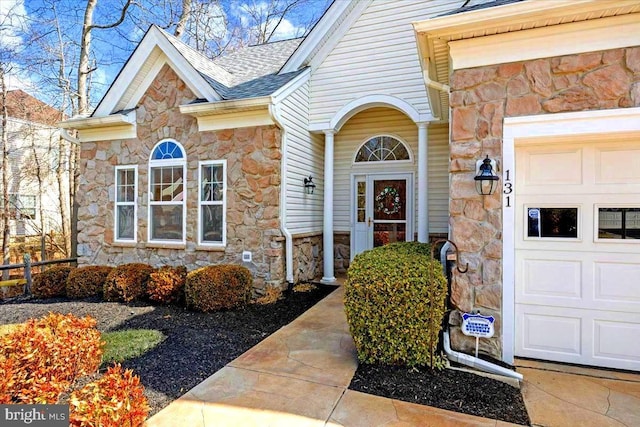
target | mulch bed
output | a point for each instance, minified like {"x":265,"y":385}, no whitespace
{"x":196,"y":345}
{"x":446,"y":389}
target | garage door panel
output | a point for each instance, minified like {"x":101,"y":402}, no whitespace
{"x":541,"y":278}
{"x":616,"y":341}
{"x":544,"y":333}
{"x":618,"y":282}
{"x":617,"y":165}
{"x":551,"y":167}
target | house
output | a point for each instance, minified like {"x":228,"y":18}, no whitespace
{"x":385,"y":107}
{"x":38,"y":173}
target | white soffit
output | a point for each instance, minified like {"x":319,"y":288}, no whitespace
{"x":577,"y":37}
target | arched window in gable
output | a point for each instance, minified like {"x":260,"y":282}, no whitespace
{"x":167,"y":186}
{"x":383,"y":148}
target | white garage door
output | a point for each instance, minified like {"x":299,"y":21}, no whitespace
{"x":578,"y":253}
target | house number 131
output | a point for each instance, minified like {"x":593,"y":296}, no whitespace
{"x":508,"y":187}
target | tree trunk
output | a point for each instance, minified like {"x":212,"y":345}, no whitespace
{"x":83,"y":66}
{"x":5,"y":178}
{"x":184,"y":18}
{"x":62,"y":202}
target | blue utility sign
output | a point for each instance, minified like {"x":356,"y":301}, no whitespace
{"x":477,"y":325}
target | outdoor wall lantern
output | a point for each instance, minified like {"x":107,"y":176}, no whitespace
{"x":309,"y":186}
{"x":486,"y":178}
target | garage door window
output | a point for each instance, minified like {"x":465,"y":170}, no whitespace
{"x":619,"y":223}
{"x":552,"y":222}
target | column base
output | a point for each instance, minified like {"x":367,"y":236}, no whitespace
{"x":328,"y":280}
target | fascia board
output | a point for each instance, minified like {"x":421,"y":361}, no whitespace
{"x":286,"y":90}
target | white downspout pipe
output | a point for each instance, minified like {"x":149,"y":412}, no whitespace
{"x":274,"y":111}
{"x":64,"y":133}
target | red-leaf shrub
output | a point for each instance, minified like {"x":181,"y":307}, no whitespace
{"x":127,"y":282}
{"x":217,"y":287}
{"x":87,"y":281}
{"x":51,"y":283}
{"x":166,"y":284}
{"x":115,"y":400}
{"x":41,"y":360}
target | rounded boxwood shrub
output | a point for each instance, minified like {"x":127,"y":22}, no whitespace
{"x":127,"y":282}
{"x":218,"y":287}
{"x":51,"y":283}
{"x":395,"y":301}
{"x":166,"y":284}
{"x":87,"y":281}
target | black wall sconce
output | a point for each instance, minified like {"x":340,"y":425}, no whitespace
{"x":309,"y":186}
{"x":486,"y":178}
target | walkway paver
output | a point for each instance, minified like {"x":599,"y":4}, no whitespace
{"x":299,"y":376}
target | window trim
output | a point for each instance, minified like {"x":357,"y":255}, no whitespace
{"x":579,"y":222}
{"x":116,"y":204}
{"x":596,"y":223}
{"x":155,"y":163}
{"x":201,"y":242}
{"x":377,"y":162}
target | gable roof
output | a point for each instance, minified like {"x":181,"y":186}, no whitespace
{"x":247,"y":73}
{"x":22,"y":106}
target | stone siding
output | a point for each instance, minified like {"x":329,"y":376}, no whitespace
{"x":341,"y":252}
{"x":253,"y":188}
{"x":480,"y":99}
{"x":307,"y":257}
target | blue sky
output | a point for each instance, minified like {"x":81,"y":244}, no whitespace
{"x":32,"y":60}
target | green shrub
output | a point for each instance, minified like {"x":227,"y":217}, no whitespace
{"x":218,"y":287}
{"x":127,"y":282}
{"x":87,"y":281}
{"x":51,"y":283}
{"x":166,"y":284}
{"x":395,"y":301}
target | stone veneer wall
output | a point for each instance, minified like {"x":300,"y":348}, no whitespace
{"x":307,"y":257}
{"x":253,"y":178}
{"x":480,"y":99}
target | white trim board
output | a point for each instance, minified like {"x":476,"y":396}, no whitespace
{"x":530,"y":129}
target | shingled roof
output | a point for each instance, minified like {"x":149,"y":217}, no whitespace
{"x":246,"y":73}
{"x":487,"y":5}
{"x":22,"y":106}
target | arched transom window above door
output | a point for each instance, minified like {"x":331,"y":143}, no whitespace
{"x":382,"y":148}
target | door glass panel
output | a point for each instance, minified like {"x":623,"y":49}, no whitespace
{"x":552,"y":222}
{"x":619,"y":223}
{"x":361,"y":197}
{"x":390,"y":199}
{"x":385,"y":233}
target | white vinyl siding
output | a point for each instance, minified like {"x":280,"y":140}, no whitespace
{"x":378,"y":55}
{"x":388,"y":121}
{"x":305,"y":156}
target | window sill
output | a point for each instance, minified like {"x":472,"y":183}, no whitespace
{"x":125,"y":244}
{"x":164,"y":245}
{"x":210,"y":248}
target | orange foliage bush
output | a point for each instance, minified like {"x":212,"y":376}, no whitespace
{"x":217,"y":287}
{"x":41,"y":360}
{"x":166,"y":284}
{"x":87,"y":281}
{"x":127,"y":282}
{"x":115,"y":400}
{"x":50,"y":283}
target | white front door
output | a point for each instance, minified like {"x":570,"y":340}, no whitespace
{"x":577,"y":263}
{"x":382,"y":210}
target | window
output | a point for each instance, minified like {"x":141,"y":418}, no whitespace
{"x":167,"y":186}
{"x":552,"y":222}
{"x":618,"y":223}
{"x":21,"y":206}
{"x":382,"y":149}
{"x":126,"y":229}
{"x":212,"y":203}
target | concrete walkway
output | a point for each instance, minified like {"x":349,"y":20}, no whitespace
{"x":299,"y":376}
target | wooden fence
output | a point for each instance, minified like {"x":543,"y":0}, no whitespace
{"x":27,"y":265}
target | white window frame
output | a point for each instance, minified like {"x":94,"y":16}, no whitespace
{"x":223,"y":203}
{"x":117,"y":204}
{"x":377,"y":162}
{"x":167,"y":163}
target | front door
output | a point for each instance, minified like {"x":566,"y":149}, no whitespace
{"x":382,"y":210}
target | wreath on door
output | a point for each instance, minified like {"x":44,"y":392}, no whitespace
{"x":388,"y":201}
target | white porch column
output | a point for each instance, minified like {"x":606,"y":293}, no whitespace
{"x":327,"y":229}
{"x":423,"y":184}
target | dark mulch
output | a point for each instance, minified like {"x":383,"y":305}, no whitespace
{"x":446,"y":389}
{"x":197,"y":344}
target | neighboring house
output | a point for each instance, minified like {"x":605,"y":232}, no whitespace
{"x":194,"y":161}
{"x":36,"y":152}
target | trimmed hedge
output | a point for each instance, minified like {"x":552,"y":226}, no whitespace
{"x":395,"y":298}
{"x":127,"y":282}
{"x":166,"y":284}
{"x":218,"y":287}
{"x":87,"y":281}
{"x":51,"y":283}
